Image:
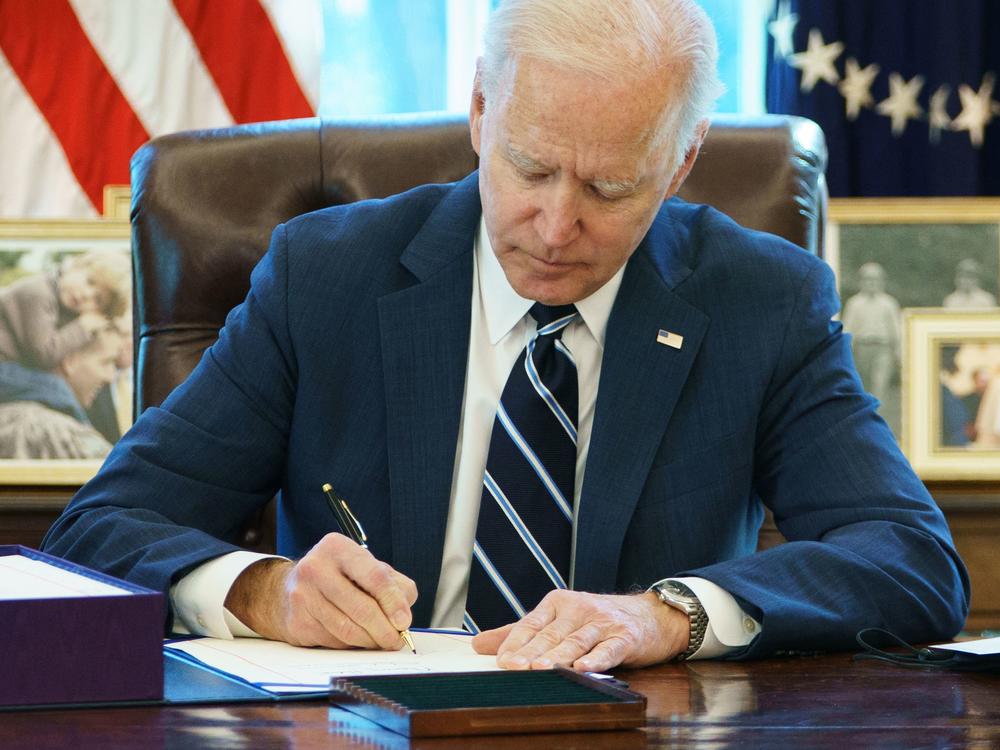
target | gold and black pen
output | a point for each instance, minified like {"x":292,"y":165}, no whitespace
{"x":351,"y":527}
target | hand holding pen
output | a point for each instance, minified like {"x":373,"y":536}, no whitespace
{"x":352,"y":528}
{"x":337,"y":595}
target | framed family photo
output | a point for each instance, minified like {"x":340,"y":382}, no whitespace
{"x":894,"y":254}
{"x":951,"y":393}
{"x":65,"y":347}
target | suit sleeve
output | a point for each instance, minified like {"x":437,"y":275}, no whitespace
{"x":867,"y":546}
{"x":177,"y":489}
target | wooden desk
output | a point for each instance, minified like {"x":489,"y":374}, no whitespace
{"x":816,"y":702}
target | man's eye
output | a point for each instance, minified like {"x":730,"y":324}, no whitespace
{"x":604,"y":196}
{"x":532,"y":176}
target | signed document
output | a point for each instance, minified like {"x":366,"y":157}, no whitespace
{"x":280,"y":668}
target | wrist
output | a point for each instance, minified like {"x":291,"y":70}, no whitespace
{"x":672,"y":628}
{"x":256,"y":595}
{"x":683,"y":600}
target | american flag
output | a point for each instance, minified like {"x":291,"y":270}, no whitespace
{"x":84,"y":83}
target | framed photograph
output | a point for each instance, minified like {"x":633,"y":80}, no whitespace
{"x":951,"y":393}
{"x":65,"y":347}
{"x":893,"y":254}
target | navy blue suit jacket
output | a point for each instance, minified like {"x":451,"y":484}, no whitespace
{"x":346,"y":364}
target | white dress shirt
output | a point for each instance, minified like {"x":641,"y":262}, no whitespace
{"x":500,"y":328}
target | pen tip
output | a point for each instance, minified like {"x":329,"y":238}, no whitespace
{"x":408,"y":640}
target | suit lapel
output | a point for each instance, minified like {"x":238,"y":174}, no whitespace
{"x":425,"y":338}
{"x":641,"y":381}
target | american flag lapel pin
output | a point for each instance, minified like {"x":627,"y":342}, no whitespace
{"x":669,"y":338}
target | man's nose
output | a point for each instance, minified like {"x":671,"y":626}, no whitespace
{"x":558,"y":218}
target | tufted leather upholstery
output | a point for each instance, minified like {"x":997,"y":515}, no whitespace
{"x":204,"y":204}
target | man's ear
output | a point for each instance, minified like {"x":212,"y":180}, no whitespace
{"x":477,"y":107}
{"x":689,"y":159}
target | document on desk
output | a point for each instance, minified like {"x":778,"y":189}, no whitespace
{"x":27,"y":578}
{"x":978,"y":647}
{"x":281,"y":668}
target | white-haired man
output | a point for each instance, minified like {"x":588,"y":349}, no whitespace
{"x":554,"y":395}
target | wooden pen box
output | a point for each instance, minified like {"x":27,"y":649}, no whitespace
{"x":471,"y":703}
{"x":99,"y":642}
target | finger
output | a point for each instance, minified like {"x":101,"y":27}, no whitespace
{"x":332,"y":629}
{"x":572,"y":647}
{"x":408,"y":586}
{"x":385,"y":609}
{"x":543,"y":642}
{"x":604,"y":656}
{"x":315,"y":621}
{"x":330,"y":570}
{"x":525,"y":629}
{"x":489,"y":641}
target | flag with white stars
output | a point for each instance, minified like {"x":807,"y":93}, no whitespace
{"x":907,"y":92}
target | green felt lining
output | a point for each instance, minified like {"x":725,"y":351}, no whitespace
{"x":494,"y":689}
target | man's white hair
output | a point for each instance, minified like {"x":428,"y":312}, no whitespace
{"x":613,"y":40}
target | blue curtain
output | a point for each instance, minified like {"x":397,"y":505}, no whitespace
{"x":925,"y":122}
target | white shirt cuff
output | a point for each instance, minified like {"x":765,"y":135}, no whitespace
{"x":729,"y":627}
{"x":199,"y":597}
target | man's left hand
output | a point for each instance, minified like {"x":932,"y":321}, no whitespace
{"x":589,"y":632}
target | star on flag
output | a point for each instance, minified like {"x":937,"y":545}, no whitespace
{"x":856,"y":88}
{"x":901,"y":105}
{"x":978,"y":109}
{"x":816,"y":63}
{"x":782,"y":28}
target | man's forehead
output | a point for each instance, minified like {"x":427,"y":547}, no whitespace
{"x":545,"y":108}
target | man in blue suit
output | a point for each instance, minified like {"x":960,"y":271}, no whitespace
{"x":380,"y":340}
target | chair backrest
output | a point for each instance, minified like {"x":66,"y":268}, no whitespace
{"x":204,"y":204}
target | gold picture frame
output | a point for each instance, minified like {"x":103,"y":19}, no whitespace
{"x":915,"y":249}
{"x":117,"y":202}
{"x":951,"y":393}
{"x":37,"y":247}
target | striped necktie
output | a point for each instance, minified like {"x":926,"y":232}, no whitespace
{"x":525,"y":527}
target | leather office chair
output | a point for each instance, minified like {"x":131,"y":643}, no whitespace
{"x":204,"y":204}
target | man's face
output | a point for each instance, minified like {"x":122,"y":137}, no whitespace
{"x":89,"y":369}
{"x":872,"y":281}
{"x":966,"y":282}
{"x":572,"y":173}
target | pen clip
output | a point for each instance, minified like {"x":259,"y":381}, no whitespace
{"x":349,"y":523}
{"x":353,"y":519}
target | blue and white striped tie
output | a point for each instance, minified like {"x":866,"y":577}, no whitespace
{"x":525,"y":528}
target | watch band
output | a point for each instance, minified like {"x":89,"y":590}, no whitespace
{"x":679,"y":596}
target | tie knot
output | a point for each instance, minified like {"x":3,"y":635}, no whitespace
{"x":552,"y":318}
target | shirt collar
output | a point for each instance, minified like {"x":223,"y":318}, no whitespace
{"x":504,"y":308}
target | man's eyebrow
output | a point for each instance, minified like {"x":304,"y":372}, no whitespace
{"x":610,"y":187}
{"x":523,"y":161}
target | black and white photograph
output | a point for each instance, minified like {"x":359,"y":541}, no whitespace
{"x":892,"y":255}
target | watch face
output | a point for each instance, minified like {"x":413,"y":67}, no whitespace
{"x":678,"y":590}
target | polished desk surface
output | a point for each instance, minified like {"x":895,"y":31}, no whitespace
{"x":818,"y":702}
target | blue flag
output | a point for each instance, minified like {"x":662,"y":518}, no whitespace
{"x":906,"y":91}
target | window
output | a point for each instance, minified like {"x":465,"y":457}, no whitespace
{"x":384,"y":56}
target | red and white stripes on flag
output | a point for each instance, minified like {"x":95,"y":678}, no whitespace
{"x":84,"y":83}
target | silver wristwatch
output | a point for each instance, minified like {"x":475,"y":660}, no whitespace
{"x":679,"y":596}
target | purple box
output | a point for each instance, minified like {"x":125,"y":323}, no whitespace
{"x":80,"y":650}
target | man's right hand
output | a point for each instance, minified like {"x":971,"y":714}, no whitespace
{"x":337,"y":596}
